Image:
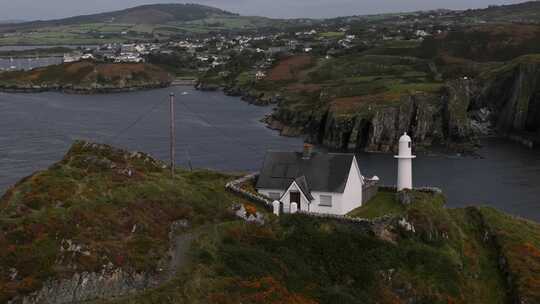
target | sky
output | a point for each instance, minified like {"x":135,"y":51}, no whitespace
{"x":53,"y":9}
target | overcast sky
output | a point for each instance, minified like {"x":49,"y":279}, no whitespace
{"x":52,"y":9}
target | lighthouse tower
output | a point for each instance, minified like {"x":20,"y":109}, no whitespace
{"x":404,"y":157}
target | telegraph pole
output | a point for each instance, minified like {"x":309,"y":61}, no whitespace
{"x":172,"y":135}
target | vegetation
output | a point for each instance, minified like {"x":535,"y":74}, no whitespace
{"x":87,"y":75}
{"x":99,"y":206}
{"x":346,"y":85}
{"x":384,"y":203}
{"x":36,"y":52}
{"x":103,"y":206}
{"x":499,"y":42}
{"x":142,"y":23}
{"x":302,"y":259}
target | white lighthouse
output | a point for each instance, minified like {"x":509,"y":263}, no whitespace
{"x":404,"y":157}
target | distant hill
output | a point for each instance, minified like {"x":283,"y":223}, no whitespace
{"x":495,"y":42}
{"x":11,"y":21}
{"x":145,"y":14}
{"x":522,"y":12}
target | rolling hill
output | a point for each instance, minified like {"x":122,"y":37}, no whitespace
{"x":526,"y":12}
{"x":145,"y":14}
{"x":141,"y":23}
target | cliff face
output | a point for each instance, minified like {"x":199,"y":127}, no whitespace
{"x":432,"y":119}
{"x":513,"y":95}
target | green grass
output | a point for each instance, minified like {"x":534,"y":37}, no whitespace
{"x":87,"y":198}
{"x":384,"y":203}
{"x":332,"y":34}
{"x":300,"y":259}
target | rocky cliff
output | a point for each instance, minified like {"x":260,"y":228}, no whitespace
{"x":512,"y":93}
{"x":432,"y":119}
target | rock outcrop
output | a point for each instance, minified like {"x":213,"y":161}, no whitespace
{"x":432,"y":119}
{"x":89,"y":286}
{"x":513,"y":96}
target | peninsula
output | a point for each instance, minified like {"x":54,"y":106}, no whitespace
{"x":105,"y":222}
{"x":86,"y":77}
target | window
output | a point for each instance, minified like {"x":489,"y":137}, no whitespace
{"x":274,"y":195}
{"x":409,"y":145}
{"x":326,"y":200}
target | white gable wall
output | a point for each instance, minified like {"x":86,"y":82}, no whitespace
{"x":286,"y":199}
{"x":352,"y":196}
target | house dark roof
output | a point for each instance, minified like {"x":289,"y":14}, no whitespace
{"x":324,"y":172}
{"x":302,"y":184}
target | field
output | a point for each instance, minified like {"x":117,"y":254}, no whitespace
{"x":98,"y":33}
{"x":350,"y":84}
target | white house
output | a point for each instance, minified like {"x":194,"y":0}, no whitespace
{"x":327,"y":183}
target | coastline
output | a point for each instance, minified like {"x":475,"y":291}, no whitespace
{"x":82,"y":90}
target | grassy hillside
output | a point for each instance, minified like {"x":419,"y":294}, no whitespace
{"x":143,"y":23}
{"x":87,"y":75}
{"x":346,"y":85}
{"x":145,"y":14}
{"x":451,"y":256}
{"x":99,"y":206}
{"x":526,"y":12}
{"x":102,"y":207}
{"x":494,"y":42}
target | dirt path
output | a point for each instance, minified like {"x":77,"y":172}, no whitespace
{"x":179,"y":253}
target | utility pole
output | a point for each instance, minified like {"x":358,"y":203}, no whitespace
{"x":172,"y":139}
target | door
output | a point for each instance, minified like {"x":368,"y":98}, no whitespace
{"x":295,"y":198}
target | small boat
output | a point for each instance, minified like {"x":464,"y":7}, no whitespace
{"x":185,"y":93}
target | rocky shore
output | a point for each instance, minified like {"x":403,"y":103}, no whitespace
{"x":82,"y":90}
{"x":433,"y":119}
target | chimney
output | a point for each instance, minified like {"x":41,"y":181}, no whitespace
{"x":308,"y":151}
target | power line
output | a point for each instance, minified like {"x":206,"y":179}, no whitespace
{"x":232,"y":139}
{"x":139,"y":119}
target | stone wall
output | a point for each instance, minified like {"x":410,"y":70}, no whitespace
{"x":370,"y":189}
{"x":236,"y":187}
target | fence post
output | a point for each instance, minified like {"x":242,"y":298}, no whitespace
{"x":277,"y":206}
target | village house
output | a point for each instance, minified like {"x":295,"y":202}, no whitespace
{"x":260,"y":75}
{"x":325,"y":183}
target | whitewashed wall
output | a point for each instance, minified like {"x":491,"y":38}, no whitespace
{"x":316,"y":203}
{"x":304,"y":203}
{"x":352,"y":196}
